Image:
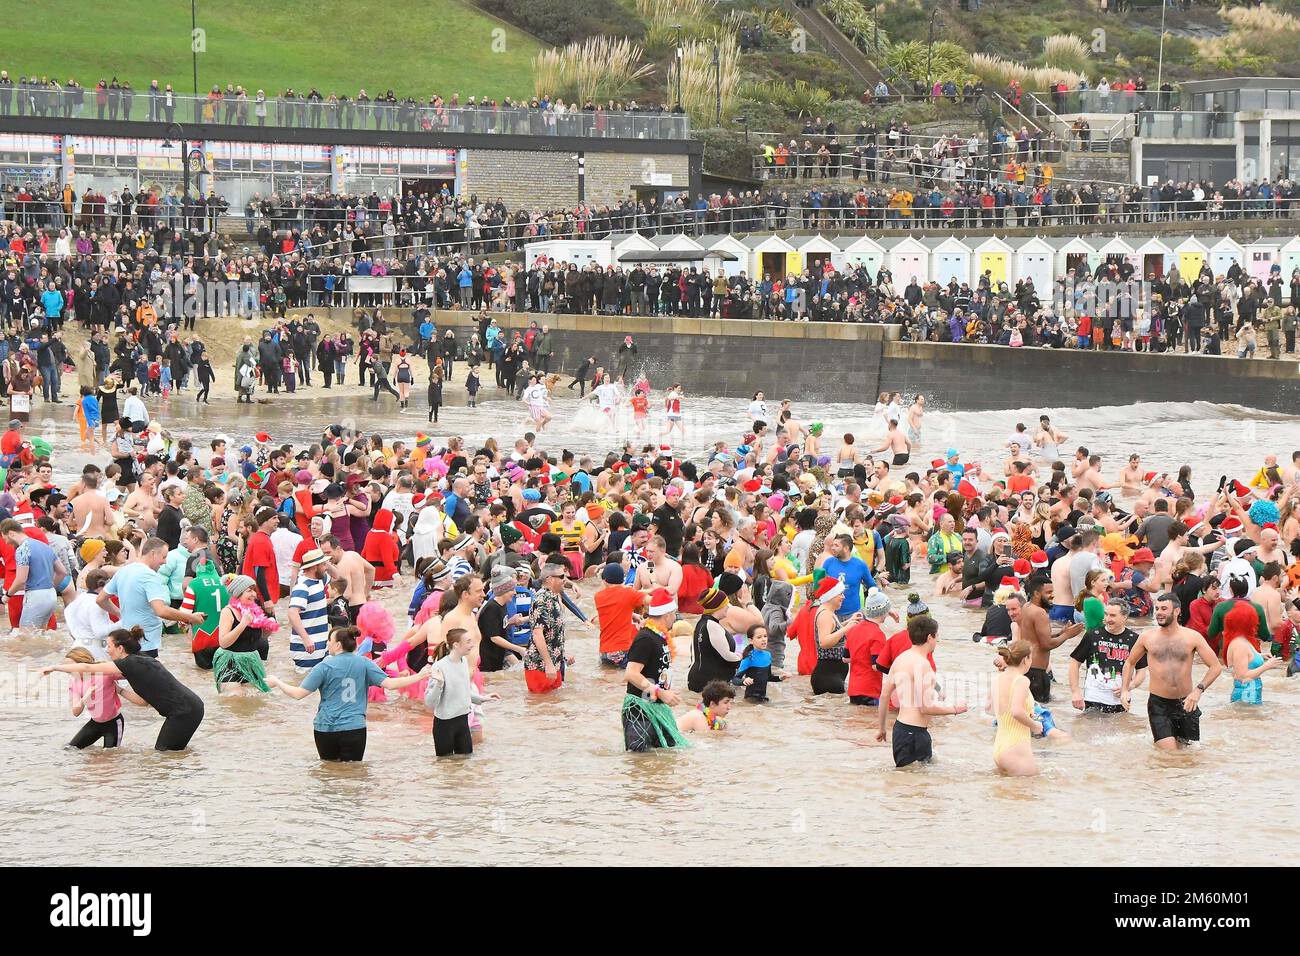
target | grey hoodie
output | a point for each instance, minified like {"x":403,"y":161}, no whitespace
{"x":776,"y":618}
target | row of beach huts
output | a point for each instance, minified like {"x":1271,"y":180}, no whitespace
{"x":938,"y":258}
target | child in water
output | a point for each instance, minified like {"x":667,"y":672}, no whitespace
{"x":755,"y":665}
{"x":97,"y":696}
{"x":711,"y":714}
{"x":472,"y":386}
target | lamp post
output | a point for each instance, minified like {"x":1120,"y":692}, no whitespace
{"x":929,"y":50}
{"x":186,"y":155}
{"x":717,"y":84}
{"x":1160,"y":62}
{"x":677,"y":29}
{"x":194,"y":51}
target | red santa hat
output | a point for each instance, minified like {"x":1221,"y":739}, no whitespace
{"x":1022,"y":568}
{"x":1149,"y":477}
{"x":662,"y":602}
{"x":937,"y":463}
{"x":1038,"y":559}
{"x":665,"y":451}
{"x":1240,"y":490}
{"x":1009,"y":583}
{"x":828,"y":590}
{"x":752,"y":486}
{"x":967,"y":489}
{"x":1231,"y":525}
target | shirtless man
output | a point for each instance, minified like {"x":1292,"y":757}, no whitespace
{"x":469,"y":597}
{"x":1090,"y":476}
{"x":659,"y":570}
{"x":1176,"y":548}
{"x":1169,"y":649}
{"x":1130,"y":477}
{"x":1268,"y":595}
{"x":354,"y":569}
{"x":1063,"y":612}
{"x":1018,"y":455}
{"x":896,"y":444}
{"x":91,"y":514}
{"x":1047,"y":438}
{"x":1036,"y":627}
{"x":912,"y":677}
{"x":143,"y":504}
{"x":915,"y":412}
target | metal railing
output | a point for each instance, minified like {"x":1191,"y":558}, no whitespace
{"x":347,"y":114}
{"x":766,"y":216}
{"x":1177,"y":124}
{"x":1114,"y":101}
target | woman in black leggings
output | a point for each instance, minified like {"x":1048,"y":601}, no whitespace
{"x":180,"y":706}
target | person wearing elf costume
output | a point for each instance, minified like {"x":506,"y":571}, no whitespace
{"x":648,"y":720}
{"x":206,"y":595}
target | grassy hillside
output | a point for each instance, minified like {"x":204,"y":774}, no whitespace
{"x":429,"y":46}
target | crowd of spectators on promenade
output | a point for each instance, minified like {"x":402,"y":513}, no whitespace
{"x":237,"y":105}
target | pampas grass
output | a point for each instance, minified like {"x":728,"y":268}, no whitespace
{"x":703,"y":85}
{"x":598,"y":68}
{"x":998,"y":71}
{"x":1262,"y":18}
{"x":798,"y":98}
{"x":694,"y":17}
{"x":1065,"y":51}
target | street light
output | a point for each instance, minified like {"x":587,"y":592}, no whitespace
{"x":186,"y":155}
{"x":194,"y":51}
{"x":677,"y":28}
{"x":717,"y":84}
{"x":929,"y":50}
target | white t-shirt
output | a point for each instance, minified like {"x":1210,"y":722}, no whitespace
{"x":536,"y":395}
{"x":607,"y":395}
{"x":285,"y":543}
{"x":89,"y":625}
{"x":758,"y":411}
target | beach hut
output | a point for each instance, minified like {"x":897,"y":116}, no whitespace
{"x":1224,"y":253}
{"x":1192,"y":254}
{"x":772,"y":256}
{"x":949,"y":260}
{"x":992,"y":256}
{"x":858,"y":251}
{"x":729,"y":243}
{"x":1154,"y":258}
{"x":905,"y":258}
{"x":1035,"y":259}
{"x":1074,"y":253}
{"x":1119,"y":251}
{"x":1290,"y":258}
{"x":580,"y":252}
{"x":1261,"y":256}
{"x":815,"y":251}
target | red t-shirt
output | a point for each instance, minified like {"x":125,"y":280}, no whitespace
{"x":261,"y":554}
{"x":614,"y":607}
{"x":696,"y":579}
{"x":1018,"y":483}
{"x":864,"y":640}
{"x":895,"y":646}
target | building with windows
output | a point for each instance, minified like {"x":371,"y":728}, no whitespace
{"x":1245,"y":128}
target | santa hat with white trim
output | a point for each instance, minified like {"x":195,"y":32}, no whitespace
{"x":662,"y":602}
{"x":828,"y":590}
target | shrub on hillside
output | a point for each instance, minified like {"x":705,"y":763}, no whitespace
{"x":559,"y":22}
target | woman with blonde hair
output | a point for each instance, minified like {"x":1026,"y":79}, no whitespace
{"x":1018,"y":718}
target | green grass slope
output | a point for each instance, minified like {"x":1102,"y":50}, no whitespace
{"x":442,"y":46}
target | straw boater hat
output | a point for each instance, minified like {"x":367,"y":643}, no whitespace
{"x":313,"y":558}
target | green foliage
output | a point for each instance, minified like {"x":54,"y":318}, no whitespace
{"x":726,"y":153}
{"x":799,"y":98}
{"x":946,"y":60}
{"x":856,"y":23}
{"x":559,"y":22}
